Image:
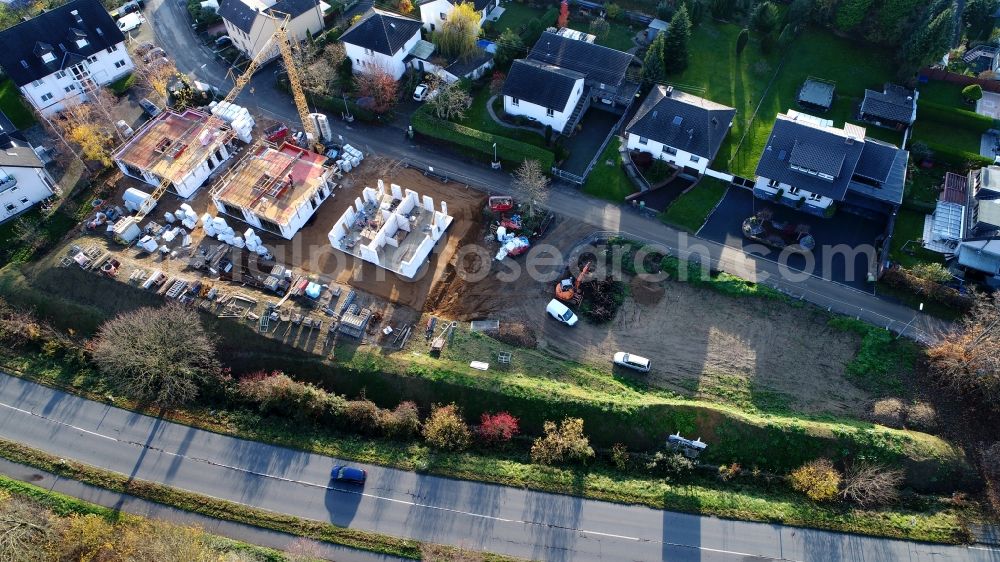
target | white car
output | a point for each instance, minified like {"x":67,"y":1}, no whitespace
{"x":561,"y":312}
{"x":420,"y":93}
{"x":130,"y":22}
{"x":631,"y":361}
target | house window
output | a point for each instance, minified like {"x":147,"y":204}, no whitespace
{"x":772,"y":183}
{"x":70,"y":88}
{"x":442,"y":16}
{"x":48,"y":57}
{"x":81,"y":43}
{"x":112,"y":48}
{"x":515,"y":101}
{"x":815,"y":196}
{"x":37,"y":83}
{"x":670,"y":150}
{"x":694,"y":158}
{"x":432,"y":27}
{"x":92,"y":59}
{"x":24,"y":200}
{"x":120,"y":64}
{"x":269,"y":225}
{"x":643,"y":140}
{"x":11,"y":208}
{"x":46,"y":97}
{"x":549,"y":112}
{"x":59,"y":75}
{"x":793,"y":190}
{"x":368,"y":52}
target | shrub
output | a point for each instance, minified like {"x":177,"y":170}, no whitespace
{"x":500,"y":427}
{"x":122,"y":85}
{"x":871,"y":485}
{"x":670,"y":464}
{"x":904,"y":280}
{"x":620,"y":456}
{"x":888,"y":412}
{"x":921,"y":415}
{"x":509,"y":149}
{"x":729,"y":471}
{"x":278,"y":394}
{"x":972,"y":92}
{"x":563,"y":442}
{"x":362,"y":415}
{"x":402,"y":422}
{"x":445,"y":428}
{"x":934,"y":272}
{"x":741,"y":40}
{"x":613,"y":10}
{"x":817,"y":479}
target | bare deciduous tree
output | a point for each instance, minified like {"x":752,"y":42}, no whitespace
{"x":532,"y":181}
{"x":870,"y":485}
{"x":377,"y":89}
{"x":967,"y":359}
{"x":89,"y":126}
{"x":161,"y":355}
{"x":25,"y":530}
{"x":451,"y":102}
{"x":318,"y":66}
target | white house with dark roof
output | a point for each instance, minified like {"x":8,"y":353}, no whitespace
{"x":381,"y":40}
{"x":250,"y":23}
{"x":434,"y":12}
{"x":815,"y":167}
{"x":23,"y":180}
{"x":542,"y":92}
{"x":605,"y":80}
{"x":57,"y":57}
{"x":895,"y":107}
{"x":679,"y":128}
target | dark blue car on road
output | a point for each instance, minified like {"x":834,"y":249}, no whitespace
{"x":342,"y":473}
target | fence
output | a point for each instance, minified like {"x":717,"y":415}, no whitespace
{"x":947,"y":76}
{"x":727,"y":262}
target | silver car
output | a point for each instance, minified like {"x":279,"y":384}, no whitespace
{"x":630,"y":361}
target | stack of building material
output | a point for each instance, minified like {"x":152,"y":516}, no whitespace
{"x":354,"y":321}
{"x":350,"y":158}
{"x":235,"y":116}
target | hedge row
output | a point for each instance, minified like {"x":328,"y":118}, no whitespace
{"x":951,"y":156}
{"x":510,"y":149}
{"x":954,"y":116}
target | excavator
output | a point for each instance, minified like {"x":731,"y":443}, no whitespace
{"x":568,"y":290}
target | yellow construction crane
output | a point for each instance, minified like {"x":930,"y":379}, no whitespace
{"x":280,"y":36}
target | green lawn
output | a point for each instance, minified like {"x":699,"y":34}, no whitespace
{"x":946,"y":134}
{"x":690,"y":210}
{"x":619,"y":36}
{"x":477,"y":117}
{"x":944,"y":93}
{"x":13,"y":106}
{"x":609,"y":181}
{"x":910,"y":226}
{"x":517,"y":17}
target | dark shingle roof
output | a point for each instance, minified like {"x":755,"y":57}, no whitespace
{"x":885,"y":164}
{"x":820,"y":149}
{"x":381,"y":32}
{"x":895,"y":103}
{"x":55,"y":30}
{"x":20,"y":157}
{"x":294,"y":8}
{"x":599,"y":64}
{"x":461,"y":67}
{"x":541,"y":84}
{"x":703,"y":123}
{"x":955,"y":188}
{"x":237,"y":13}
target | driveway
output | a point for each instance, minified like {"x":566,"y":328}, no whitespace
{"x":583,"y":145}
{"x":843,"y":229}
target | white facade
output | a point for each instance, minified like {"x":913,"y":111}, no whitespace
{"x":189,"y":184}
{"x":52,"y":93}
{"x":362,"y":58}
{"x":678,"y":158}
{"x":22,"y":187}
{"x":422,"y":65}
{"x":299,"y":29}
{"x":435,"y":12}
{"x":286,"y":229}
{"x":792,"y":194}
{"x":405,"y":236}
{"x":544,"y":115}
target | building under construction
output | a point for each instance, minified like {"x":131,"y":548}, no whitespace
{"x":177,"y":146}
{"x":277,"y":189}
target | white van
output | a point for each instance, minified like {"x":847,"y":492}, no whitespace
{"x":561,"y":312}
{"x":130,"y":22}
{"x":631,"y":361}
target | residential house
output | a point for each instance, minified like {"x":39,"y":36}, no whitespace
{"x":423,"y":59}
{"x":605,"y":81}
{"x":811,"y":165}
{"x":434,"y":12}
{"x":251,"y":23}
{"x":895,"y":107}
{"x":23,"y":180}
{"x":184,"y":147}
{"x":655,"y":27}
{"x":277,"y":189}
{"x":679,"y":128}
{"x":544,"y":93}
{"x":61,"y":55}
{"x":381,"y":40}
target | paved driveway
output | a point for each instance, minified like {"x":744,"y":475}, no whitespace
{"x":583,"y":146}
{"x":838,"y":264}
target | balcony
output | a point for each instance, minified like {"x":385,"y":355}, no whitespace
{"x":7,"y":182}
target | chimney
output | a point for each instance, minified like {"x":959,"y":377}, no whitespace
{"x":670,"y":91}
{"x":76,"y":16}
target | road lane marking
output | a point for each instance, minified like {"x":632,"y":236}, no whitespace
{"x":396,"y":500}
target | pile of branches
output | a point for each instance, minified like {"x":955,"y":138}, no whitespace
{"x":602,"y":298}
{"x":516,"y":334}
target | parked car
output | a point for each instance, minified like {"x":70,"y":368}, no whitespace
{"x":130,"y":22}
{"x":149,"y":107}
{"x":144,"y":48}
{"x":223,"y":41}
{"x":561,"y":312}
{"x":420,"y":94}
{"x":124,"y":128}
{"x":630,"y":361}
{"x":153,"y":54}
{"x":344,"y":473}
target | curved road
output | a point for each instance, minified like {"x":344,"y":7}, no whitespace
{"x":506,"y":520}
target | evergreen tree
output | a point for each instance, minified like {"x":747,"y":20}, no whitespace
{"x":653,"y":70}
{"x":930,"y":42}
{"x":675,"y":46}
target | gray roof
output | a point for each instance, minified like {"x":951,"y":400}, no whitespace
{"x":886,"y":165}
{"x":982,"y":255}
{"x":20,"y":157}
{"x":682,"y":121}
{"x":6,"y":127}
{"x":541,"y":84}
{"x":820,"y":149}
{"x":461,"y":67}
{"x":294,"y":8}
{"x":55,"y":31}
{"x":381,"y":32}
{"x":238,"y":14}
{"x":817,"y":92}
{"x":599,"y":64}
{"x":894,"y":103}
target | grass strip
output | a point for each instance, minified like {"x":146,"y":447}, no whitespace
{"x":196,"y":503}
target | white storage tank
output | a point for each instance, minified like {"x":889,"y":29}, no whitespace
{"x":134,"y":198}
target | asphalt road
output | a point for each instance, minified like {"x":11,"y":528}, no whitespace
{"x":506,"y":520}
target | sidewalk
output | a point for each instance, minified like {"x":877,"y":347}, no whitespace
{"x":152,"y":510}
